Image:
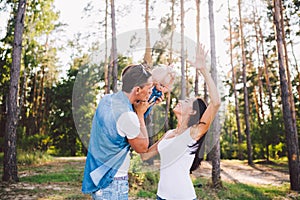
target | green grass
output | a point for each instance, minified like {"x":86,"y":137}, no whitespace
{"x":237,"y":191}
{"x":232,"y":191}
{"x":55,"y":179}
{"x":52,"y":180}
{"x":46,"y":174}
{"x":279,"y":165}
{"x":29,"y":158}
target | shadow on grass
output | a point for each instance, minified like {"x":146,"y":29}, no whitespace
{"x":276,"y":166}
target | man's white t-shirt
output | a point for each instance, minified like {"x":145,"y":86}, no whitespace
{"x":128,"y":125}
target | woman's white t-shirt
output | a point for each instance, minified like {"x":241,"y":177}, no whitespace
{"x":176,"y":160}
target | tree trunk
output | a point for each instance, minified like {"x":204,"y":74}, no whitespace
{"x":266,"y":71}
{"x":186,"y":77}
{"x":258,"y":101}
{"x":216,"y":128}
{"x":257,"y":107}
{"x":168,"y":101}
{"x":10,"y":168}
{"x":297,"y":68}
{"x":291,"y":134}
{"x":147,"y":56}
{"x":41,"y":95}
{"x":198,"y":41}
{"x":291,"y":96}
{"x":260,"y":92}
{"x":183,"y":84}
{"x":172,"y":31}
{"x":246,"y":100}
{"x":107,"y":75}
{"x":114,"y":54}
{"x":236,"y":100}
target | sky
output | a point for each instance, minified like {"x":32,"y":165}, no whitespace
{"x":132,"y":20}
{"x":71,"y":13}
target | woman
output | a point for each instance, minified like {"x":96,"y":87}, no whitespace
{"x":179,"y":147}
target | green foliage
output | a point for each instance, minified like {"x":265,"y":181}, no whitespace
{"x":69,"y":100}
{"x":142,"y":181}
{"x":32,"y":157}
{"x":268,"y":138}
{"x":1,"y":157}
{"x":135,"y":162}
{"x":143,"y":184}
{"x":34,"y":142}
{"x":63,"y":132}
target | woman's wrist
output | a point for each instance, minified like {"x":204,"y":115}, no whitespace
{"x":205,"y":71}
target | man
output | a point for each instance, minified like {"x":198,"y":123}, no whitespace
{"x":118,"y":123}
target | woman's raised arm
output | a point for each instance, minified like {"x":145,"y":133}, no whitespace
{"x":215,"y":100}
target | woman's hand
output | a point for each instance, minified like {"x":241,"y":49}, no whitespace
{"x":201,"y":54}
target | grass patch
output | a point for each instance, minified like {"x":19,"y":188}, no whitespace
{"x":54,"y":173}
{"x":52,"y":177}
{"x":237,"y":191}
{"x":145,"y":185}
{"x":31,"y":158}
{"x":279,"y":164}
{"x":57,"y":179}
{"x":61,"y":179}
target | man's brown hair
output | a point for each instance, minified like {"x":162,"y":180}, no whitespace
{"x":134,"y":75}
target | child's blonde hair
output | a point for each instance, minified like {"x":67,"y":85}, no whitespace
{"x":164,"y":75}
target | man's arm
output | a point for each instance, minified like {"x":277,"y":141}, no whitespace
{"x":141,"y":142}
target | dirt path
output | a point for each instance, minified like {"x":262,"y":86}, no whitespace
{"x":240,"y":172}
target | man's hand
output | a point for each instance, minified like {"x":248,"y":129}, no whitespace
{"x":141,"y":107}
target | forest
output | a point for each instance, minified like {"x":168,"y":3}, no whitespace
{"x":47,"y":105}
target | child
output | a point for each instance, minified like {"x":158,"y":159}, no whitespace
{"x":163,"y":78}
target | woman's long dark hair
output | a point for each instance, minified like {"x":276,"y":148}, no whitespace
{"x":199,"y":106}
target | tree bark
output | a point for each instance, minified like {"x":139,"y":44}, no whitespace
{"x":291,"y":134}
{"x":236,"y":100}
{"x":183,"y":81}
{"x":198,"y":41}
{"x":216,"y":127}
{"x":107,"y":74}
{"x":291,"y":96}
{"x":172,"y":31}
{"x":114,"y":54}
{"x":266,"y":70}
{"x":246,"y":100}
{"x":10,"y":168}
{"x":147,"y":56}
{"x":168,"y":96}
{"x":258,"y":98}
